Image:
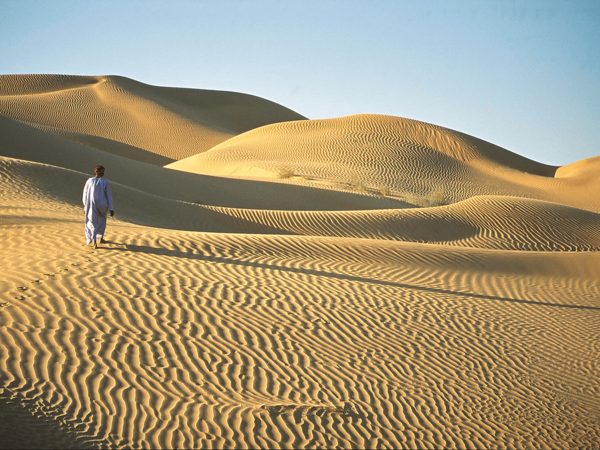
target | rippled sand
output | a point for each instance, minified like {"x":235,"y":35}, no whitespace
{"x":281,"y":285}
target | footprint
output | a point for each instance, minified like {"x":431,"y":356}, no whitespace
{"x":320,"y":319}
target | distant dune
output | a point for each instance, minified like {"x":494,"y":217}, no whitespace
{"x":171,"y":122}
{"x":272,"y":281}
{"x":409,"y":158}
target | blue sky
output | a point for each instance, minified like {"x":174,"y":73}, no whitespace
{"x":524,"y":75}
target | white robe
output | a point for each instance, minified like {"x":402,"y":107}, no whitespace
{"x":97,"y":202}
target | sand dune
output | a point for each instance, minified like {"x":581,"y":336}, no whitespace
{"x":408,"y":158}
{"x":233,"y":308}
{"x":170,"y":122}
{"x":22,"y":141}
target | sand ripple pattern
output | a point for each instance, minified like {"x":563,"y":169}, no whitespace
{"x":174,"y":339}
{"x":492,"y":222}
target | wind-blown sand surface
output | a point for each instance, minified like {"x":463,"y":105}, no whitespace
{"x":260,"y":291}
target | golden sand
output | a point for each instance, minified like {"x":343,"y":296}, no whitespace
{"x":367,"y":281}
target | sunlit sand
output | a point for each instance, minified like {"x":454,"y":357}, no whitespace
{"x":272,"y":281}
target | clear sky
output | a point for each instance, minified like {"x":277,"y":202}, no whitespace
{"x":524,"y":75}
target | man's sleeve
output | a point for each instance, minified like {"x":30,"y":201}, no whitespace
{"x":109,"y":197}
{"x":85,"y":192}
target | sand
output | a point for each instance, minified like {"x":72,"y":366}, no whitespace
{"x":272,"y":281}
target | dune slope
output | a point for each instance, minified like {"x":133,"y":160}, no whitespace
{"x":485,"y":222}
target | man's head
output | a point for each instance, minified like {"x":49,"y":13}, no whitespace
{"x":99,"y":171}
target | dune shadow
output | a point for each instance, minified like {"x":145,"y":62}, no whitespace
{"x":23,"y":424}
{"x":195,"y":256}
{"x":118,"y":148}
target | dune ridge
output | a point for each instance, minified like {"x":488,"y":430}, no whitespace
{"x":508,"y":224}
{"x":235,"y":307}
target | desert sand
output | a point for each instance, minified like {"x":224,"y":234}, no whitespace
{"x":273,"y":281}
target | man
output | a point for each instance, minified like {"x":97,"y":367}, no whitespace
{"x":97,"y":202}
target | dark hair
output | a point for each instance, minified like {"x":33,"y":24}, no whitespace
{"x":99,"y":169}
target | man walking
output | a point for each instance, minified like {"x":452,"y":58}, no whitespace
{"x":97,"y":202}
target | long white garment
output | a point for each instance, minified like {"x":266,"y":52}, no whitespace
{"x":97,"y":202}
